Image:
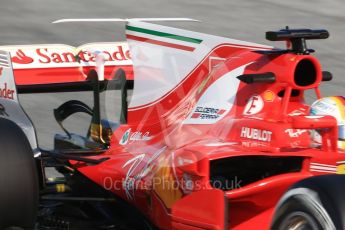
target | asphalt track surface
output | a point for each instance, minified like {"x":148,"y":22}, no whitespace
{"x":28,"y":22}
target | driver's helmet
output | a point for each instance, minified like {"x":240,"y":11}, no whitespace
{"x":333,"y":106}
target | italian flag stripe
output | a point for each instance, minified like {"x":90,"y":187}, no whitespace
{"x":163,"y":34}
{"x":161,"y":43}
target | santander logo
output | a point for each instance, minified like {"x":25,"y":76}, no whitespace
{"x":55,"y":56}
{"x":22,"y":58}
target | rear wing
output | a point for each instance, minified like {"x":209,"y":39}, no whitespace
{"x":11,"y":109}
{"x":58,"y":63}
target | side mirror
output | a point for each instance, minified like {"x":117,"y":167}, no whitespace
{"x":327,"y":126}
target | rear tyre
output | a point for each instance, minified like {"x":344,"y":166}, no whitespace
{"x":18,"y":179}
{"x":316,"y":203}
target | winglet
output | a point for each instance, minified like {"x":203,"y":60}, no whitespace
{"x":66,"y":20}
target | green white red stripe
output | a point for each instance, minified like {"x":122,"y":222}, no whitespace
{"x":162,"y":38}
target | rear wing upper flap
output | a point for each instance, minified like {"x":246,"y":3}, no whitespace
{"x":59,"y":63}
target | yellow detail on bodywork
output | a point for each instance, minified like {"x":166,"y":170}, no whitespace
{"x":165,"y":185}
{"x":341,"y":169}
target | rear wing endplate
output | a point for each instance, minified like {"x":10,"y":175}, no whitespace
{"x":10,"y":107}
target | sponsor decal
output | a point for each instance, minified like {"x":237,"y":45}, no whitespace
{"x":139,"y":136}
{"x":125,"y":137}
{"x":269,"y":96}
{"x":207,"y":113}
{"x":128,"y":136}
{"x":22,"y":58}
{"x":254,"y":105}
{"x":254,"y":144}
{"x":52,"y":56}
{"x":138,"y":168}
{"x":3,"y":111}
{"x":256,"y":134}
{"x":129,"y":182}
{"x":6,"y":93}
{"x":217,"y":100}
{"x":295,"y":132}
{"x":46,"y":56}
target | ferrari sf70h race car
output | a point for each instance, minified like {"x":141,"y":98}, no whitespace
{"x":210,"y":133}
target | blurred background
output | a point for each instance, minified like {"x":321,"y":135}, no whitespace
{"x":29,"y":22}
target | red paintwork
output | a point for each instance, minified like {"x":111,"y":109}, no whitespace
{"x":65,"y":74}
{"x":250,"y":207}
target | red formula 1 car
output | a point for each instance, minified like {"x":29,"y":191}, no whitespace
{"x":215,"y":135}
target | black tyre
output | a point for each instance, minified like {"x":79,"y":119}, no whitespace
{"x":18,"y":178}
{"x":317,"y":203}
